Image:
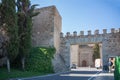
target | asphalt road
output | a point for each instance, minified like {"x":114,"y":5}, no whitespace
{"x":73,"y":75}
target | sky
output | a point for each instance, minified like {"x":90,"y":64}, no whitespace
{"x":84,"y":15}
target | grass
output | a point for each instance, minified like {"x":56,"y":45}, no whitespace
{"x":4,"y":75}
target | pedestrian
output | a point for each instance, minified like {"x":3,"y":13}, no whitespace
{"x":110,"y":65}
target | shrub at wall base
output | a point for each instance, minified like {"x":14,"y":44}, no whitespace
{"x":40,"y":59}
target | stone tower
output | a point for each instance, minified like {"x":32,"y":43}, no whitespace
{"x":46,"y":27}
{"x":46,"y":32}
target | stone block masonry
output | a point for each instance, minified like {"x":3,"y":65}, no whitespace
{"x":46,"y":27}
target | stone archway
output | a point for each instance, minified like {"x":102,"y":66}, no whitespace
{"x":84,"y":63}
{"x":104,"y":40}
{"x":79,"y":53}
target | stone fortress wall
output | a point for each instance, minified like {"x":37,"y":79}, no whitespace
{"x":47,"y":32}
{"x":109,"y":44}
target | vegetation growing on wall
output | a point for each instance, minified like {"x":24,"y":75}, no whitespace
{"x":40,"y":59}
{"x":96,"y":53}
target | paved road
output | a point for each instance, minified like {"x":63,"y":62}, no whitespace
{"x":75,"y":74}
{"x":104,"y":76}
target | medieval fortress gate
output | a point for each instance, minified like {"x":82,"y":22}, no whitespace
{"x":73,"y":48}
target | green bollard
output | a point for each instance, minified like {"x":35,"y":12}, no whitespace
{"x":117,"y":69}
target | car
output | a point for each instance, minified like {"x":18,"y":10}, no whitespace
{"x":73,"y":66}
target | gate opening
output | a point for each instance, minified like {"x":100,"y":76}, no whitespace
{"x":83,"y":55}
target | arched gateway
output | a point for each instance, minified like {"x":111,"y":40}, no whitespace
{"x":71,"y":48}
{"x":70,"y":45}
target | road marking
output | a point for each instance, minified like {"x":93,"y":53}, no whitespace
{"x":94,"y":75}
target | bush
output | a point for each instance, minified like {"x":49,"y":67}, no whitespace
{"x":40,"y":59}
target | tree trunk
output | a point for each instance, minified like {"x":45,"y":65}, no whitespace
{"x":23,"y":63}
{"x":8,"y":64}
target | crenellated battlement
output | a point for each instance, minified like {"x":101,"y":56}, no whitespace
{"x":89,"y":33}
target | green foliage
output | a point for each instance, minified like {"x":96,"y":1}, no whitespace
{"x":1,"y":14}
{"x":24,"y":24}
{"x":25,"y":14}
{"x":96,"y":53}
{"x":18,"y":26}
{"x":9,"y":19}
{"x":40,"y":59}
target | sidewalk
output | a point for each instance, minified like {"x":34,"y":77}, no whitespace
{"x":104,"y":76}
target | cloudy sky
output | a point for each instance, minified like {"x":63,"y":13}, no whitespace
{"x":86,"y":15}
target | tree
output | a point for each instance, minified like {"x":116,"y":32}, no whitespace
{"x":25,"y":14}
{"x":96,"y":53}
{"x":9,"y":18}
{"x":1,"y":14}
